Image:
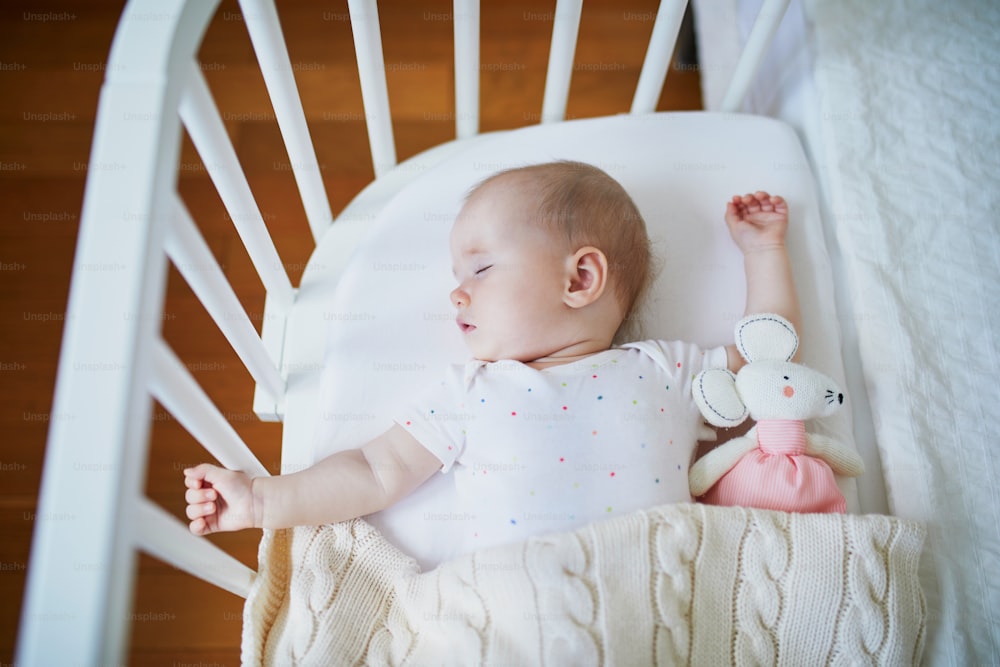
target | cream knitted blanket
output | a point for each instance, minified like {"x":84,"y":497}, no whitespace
{"x":677,"y":584}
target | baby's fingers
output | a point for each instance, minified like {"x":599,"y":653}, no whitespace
{"x":199,"y":510}
{"x":195,"y":496}
{"x":193,"y":477}
{"x":767,"y":201}
{"x":199,"y":527}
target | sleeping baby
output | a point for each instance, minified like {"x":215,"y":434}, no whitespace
{"x":550,"y":426}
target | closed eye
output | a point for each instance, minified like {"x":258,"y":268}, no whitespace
{"x":480,"y":271}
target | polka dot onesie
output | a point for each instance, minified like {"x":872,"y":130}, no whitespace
{"x":540,"y":451}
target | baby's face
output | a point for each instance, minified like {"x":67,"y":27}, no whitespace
{"x":511,"y":277}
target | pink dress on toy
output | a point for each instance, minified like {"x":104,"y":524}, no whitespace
{"x":779,"y":475}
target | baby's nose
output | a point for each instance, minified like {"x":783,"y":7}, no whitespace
{"x":459,"y":298}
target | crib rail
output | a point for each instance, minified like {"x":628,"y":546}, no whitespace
{"x":264,"y":28}
{"x":760,"y":37}
{"x":661,"y":44}
{"x":174,"y":387}
{"x":159,"y":534}
{"x":374,"y":89}
{"x":466,"y":20}
{"x":190,"y":254}
{"x":92,"y":514}
{"x":204,"y":125}
{"x":113,"y":362}
{"x":565,"y":28}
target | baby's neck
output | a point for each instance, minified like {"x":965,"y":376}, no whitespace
{"x":569,"y":354}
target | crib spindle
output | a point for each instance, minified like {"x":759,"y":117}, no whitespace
{"x":658,"y":55}
{"x":466,"y":19}
{"x":565,"y":28}
{"x":758,"y":41}
{"x":192,"y":257}
{"x":160,"y":534}
{"x":205,"y":127}
{"x":262,"y":23}
{"x":374,"y":91}
{"x":172,"y":385}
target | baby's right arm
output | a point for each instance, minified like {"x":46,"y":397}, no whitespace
{"x":758,"y":223}
{"x":345,"y":485}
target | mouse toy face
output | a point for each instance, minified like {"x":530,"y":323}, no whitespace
{"x":783,"y":390}
{"x":769,"y":386}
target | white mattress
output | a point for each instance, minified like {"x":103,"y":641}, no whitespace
{"x":897,"y":105}
{"x":391,"y":326}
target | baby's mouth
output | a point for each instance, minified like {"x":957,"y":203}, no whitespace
{"x":465,"y":326}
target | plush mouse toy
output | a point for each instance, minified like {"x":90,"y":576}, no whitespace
{"x":776,"y":465}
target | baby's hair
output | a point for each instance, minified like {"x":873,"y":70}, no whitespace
{"x":589,"y":207}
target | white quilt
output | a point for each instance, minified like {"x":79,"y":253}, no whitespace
{"x":899,"y":115}
{"x":914,"y":169}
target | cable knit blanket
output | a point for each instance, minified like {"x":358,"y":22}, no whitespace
{"x":677,"y":584}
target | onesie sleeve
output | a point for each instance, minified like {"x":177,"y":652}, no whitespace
{"x":715,"y":357}
{"x":683,"y":360}
{"x":437,"y":417}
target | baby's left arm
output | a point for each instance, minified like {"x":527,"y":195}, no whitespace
{"x":758,"y":222}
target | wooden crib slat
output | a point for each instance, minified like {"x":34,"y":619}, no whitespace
{"x":208,"y":133}
{"x":466,"y":18}
{"x":160,"y":534}
{"x":565,"y":28}
{"x":262,"y":23}
{"x":174,"y":387}
{"x":192,"y":257}
{"x":374,"y":91}
{"x":758,"y":41}
{"x":658,"y":55}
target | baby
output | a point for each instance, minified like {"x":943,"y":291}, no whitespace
{"x":549,"y":426}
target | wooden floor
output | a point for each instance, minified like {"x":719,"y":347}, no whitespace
{"x":52,"y":61}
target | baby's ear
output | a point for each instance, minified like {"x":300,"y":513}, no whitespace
{"x":716,"y":396}
{"x":587,"y":277}
{"x":766,"y":336}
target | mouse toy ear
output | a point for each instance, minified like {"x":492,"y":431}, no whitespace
{"x":716,"y":396}
{"x":766,"y":336}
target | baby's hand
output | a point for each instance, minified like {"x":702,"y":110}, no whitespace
{"x":757,"y":221}
{"x":218,"y":499}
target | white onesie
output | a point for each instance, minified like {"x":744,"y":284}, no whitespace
{"x":541,"y":451}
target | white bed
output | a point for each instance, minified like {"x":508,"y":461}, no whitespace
{"x":330,"y":365}
{"x":896,"y":103}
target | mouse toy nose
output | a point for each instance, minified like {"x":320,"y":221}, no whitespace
{"x":832,"y":396}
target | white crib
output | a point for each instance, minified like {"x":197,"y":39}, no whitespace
{"x":134,"y":218}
